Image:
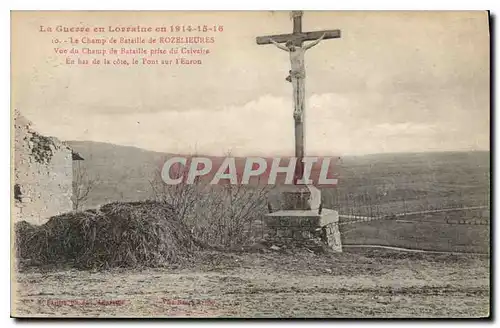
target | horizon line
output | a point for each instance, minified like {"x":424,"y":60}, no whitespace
{"x":283,"y":155}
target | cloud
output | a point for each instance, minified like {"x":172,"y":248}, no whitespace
{"x":335,"y":124}
{"x":395,"y":81}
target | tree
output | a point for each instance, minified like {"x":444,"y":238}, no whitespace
{"x":83,"y":184}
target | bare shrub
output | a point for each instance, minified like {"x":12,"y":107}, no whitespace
{"x":228,"y":215}
{"x":181,"y":198}
{"x":83,"y":184}
{"x":218,"y":215}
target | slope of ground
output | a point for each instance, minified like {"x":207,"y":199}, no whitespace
{"x":395,"y":183}
{"x":426,"y":235}
{"x":366,"y":284}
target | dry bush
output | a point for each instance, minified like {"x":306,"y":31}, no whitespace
{"x":228,"y":215}
{"x":117,"y":235}
{"x":83,"y":184}
{"x":218,"y":215}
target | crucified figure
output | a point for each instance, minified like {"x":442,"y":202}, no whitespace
{"x":297,"y":72}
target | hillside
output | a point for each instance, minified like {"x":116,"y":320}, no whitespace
{"x":125,"y":173}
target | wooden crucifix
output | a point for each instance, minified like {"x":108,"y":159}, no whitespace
{"x":294,"y":45}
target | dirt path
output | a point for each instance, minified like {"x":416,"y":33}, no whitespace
{"x":352,"y":284}
{"x":413,"y":250}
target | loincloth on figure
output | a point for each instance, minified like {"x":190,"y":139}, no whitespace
{"x":295,"y":75}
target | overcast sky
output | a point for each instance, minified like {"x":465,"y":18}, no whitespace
{"x":394,"y":82}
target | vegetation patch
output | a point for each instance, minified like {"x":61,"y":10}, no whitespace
{"x":42,"y":148}
{"x":138,"y":234}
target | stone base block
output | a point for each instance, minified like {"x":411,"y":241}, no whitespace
{"x":301,"y":225}
{"x":295,"y":197}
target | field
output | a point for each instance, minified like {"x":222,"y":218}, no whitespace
{"x":397,"y":183}
{"x":258,"y":281}
{"x":425,"y":235}
{"x":357,"y":284}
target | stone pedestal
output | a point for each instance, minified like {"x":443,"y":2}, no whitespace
{"x":291,"y":197}
{"x":296,"y":217}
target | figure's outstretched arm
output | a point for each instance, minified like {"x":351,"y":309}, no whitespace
{"x":312,"y":44}
{"x":282,"y":47}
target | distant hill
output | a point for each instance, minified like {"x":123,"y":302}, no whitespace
{"x":125,"y":172}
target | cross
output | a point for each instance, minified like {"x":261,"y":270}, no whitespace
{"x":294,"y":44}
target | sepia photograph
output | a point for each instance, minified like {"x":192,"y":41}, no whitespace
{"x":251,"y":164}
